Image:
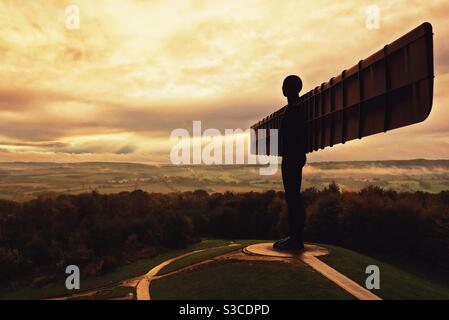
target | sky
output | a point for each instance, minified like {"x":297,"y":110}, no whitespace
{"x":115,"y":88}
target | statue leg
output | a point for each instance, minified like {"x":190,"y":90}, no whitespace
{"x":291,"y":177}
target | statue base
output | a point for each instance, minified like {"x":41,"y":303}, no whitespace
{"x":266,"y":249}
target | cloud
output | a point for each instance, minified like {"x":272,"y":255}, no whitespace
{"x":126,"y":149}
{"x":138,"y":69}
{"x":21,"y":99}
{"x":35,"y":145}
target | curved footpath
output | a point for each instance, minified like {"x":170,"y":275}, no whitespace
{"x":143,"y":287}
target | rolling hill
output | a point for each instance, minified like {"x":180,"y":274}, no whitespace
{"x":23,"y":181}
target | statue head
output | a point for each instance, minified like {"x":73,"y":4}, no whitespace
{"x":292,"y":86}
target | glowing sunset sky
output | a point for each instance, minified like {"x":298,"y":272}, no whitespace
{"x":114,"y":89}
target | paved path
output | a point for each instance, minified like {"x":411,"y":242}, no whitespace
{"x":143,"y":287}
{"x":309,"y":257}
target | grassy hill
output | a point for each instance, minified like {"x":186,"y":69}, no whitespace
{"x":240,"y":279}
{"x":230,"y":279}
{"x":396,"y":281}
{"x":134,"y":269}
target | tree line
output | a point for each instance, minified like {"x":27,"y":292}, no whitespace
{"x":99,"y":232}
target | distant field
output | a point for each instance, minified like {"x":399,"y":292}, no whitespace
{"x":23,"y":181}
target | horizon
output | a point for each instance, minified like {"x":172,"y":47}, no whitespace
{"x":217,"y":165}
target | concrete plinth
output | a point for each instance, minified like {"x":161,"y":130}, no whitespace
{"x":266,"y":249}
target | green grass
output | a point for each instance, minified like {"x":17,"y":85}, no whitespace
{"x":196,"y":257}
{"x":395,"y":283}
{"x":245,"y":243}
{"x":131,"y":270}
{"x":247,"y":280}
{"x":204,"y":255}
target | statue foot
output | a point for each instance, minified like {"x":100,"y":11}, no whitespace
{"x":280,"y":242}
{"x":289,"y":244}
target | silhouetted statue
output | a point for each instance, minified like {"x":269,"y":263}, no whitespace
{"x":292,"y":143}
